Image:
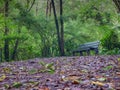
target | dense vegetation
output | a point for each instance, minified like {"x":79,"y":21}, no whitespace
{"x":28,"y":28}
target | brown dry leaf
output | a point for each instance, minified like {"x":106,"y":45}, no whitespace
{"x":118,"y":73}
{"x":44,"y":88}
{"x":67,"y":88}
{"x":74,"y":79}
{"x":75,"y":82}
{"x":98,"y":83}
{"x":62,"y":72}
{"x":37,"y":76}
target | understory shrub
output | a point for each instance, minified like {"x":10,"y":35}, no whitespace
{"x":110,"y":43}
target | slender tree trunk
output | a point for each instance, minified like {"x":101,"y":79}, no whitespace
{"x":62,"y":28}
{"x":50,"y":9}
{"x":117,"y":3}
{"x":36,"y":8}
{"x":15,"y":49}
{"x":31,"y":6}
{"x":14,"y":54}
{"x":47,"y":7}
{"x":6,"y":45}
{"x":57,"y":27}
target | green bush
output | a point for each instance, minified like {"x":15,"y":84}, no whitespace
{"x":110,"y":41}
{"x":115,"y":51}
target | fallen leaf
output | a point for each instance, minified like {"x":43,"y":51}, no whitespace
{"x":17,"y":84}
{"x":74,"y":79}
{"x":2,"y":77}
{"x":6,"y":70}
{"x":101,"y":79}
{"x":44,"y":88}
{"x":98,"y":83}
{"x":32,"y":71}
{"x":75,"y":82}
{"x":7,"y":86}
{"x":118,"y":73}
{"x":67,"y":88}
{"x":21,"y":68}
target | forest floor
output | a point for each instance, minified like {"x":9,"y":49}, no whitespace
{"x":62,"y":73}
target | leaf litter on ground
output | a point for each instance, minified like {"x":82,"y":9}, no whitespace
{"x":62,"y":73}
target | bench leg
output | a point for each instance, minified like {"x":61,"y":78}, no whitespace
{"x":73,"y":53}
{"x":96,"y":51}
{"x":88,"y":52}
{"x":81,"y":54}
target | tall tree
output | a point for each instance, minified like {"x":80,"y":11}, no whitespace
{"x":48,"y":8}
{"x":62,"y":28}
{"x":60,"y":33}
{"x":29,"y":7}
{"x":57,"y":25}
{"x":117,"y":3}
{"x":6,"y":45}
{"x":14,"y":53}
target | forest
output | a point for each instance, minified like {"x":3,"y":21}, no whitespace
{"x":38,"y":37}
{"x":33,"y":28}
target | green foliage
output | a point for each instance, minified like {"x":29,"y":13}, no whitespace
{"x":84,"y":21}
{"x":110,"y":41}
{"x":115,"y":51}
{"x":32,"y":71}
{"x":108,"y":68}
{"x":47,"y":67}
{"x":17,"y":84}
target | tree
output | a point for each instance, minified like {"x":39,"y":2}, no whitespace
{"x":48,"y":8}
{"x":14,"y":53}
{"x":6,"y":45}
{"x":62,"y":28}
{"x":60,"y":32}
{"x":117,"y":3}
{"x":25,"y":11}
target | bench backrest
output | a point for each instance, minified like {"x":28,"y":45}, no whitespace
{"x":90,"y":45}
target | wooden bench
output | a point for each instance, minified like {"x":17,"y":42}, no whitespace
{"x":87,"y":47}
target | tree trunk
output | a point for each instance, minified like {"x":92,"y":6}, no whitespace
{"x":48,"y":8}
{"x":14,"y":54}
{"x":6,"y":45}
{"x":57,"y":27}
{"x":15,"y":49}
{"x":36,"y":8}
{"x":62,"y":29}
{"x":117,"y":3}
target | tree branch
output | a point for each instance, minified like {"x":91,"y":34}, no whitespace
{"x":31,"y":6}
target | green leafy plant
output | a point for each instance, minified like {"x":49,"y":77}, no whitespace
{"x":110,"y":41}
{"x":17,"y":84}
{"x":108,"y":67}
{"x":32,"y":71}
{"x":47,"y":67}
{"x":115,"y":51}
